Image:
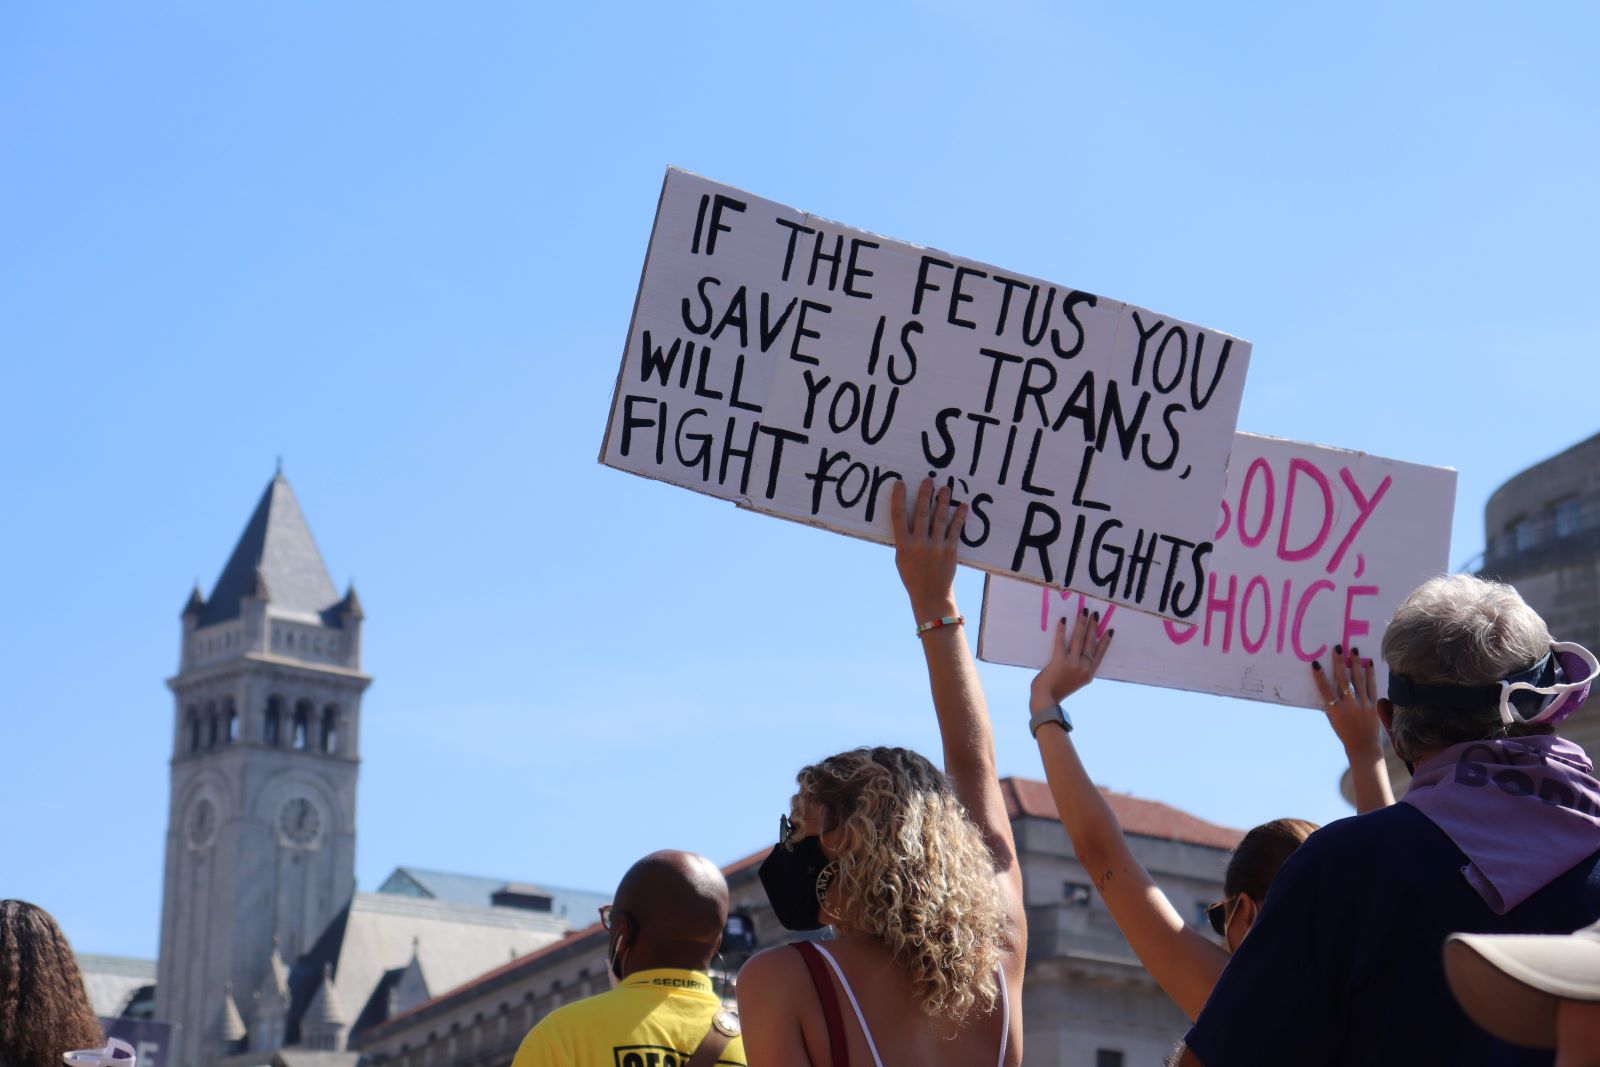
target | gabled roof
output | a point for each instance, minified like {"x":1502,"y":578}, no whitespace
{"x":1147,"y":818}
{"x":112,"y":981}
{"x":376,"y":934}
{"x":577,"y":906}
{"x":276,"y":551}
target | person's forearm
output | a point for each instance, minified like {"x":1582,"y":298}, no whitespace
{"x":958,"y":702}
{"x":1089,"y":821}
{"x":964,"y":728}
{"x":1369,"y":779}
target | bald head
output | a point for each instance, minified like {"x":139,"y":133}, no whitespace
{"x":678,"y":902}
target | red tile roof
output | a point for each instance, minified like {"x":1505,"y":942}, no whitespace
{"x":1147,"y":818}
{"x":1024,"y":796}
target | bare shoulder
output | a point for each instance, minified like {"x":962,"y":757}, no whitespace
{"x":773,"y":968}
{"x":774,"y":1025}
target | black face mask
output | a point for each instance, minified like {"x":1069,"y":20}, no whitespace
{"x":792,"y":877}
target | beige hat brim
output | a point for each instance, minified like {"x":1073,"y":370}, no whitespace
{"x":1510,"y":983}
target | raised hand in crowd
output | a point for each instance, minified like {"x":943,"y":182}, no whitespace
{"x":1350,"y":699}
{"x":926,"y":540}
{"x":931,"y":937}
{"x":1182,"y":960}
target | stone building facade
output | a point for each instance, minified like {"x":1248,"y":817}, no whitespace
{"x":1088,"y":1001}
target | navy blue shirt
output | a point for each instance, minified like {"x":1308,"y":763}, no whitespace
{"x":1345,"y":963}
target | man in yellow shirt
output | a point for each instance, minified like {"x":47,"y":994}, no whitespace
{"x":663,"y":929}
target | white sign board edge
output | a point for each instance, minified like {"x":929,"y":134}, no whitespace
{"x":1402,"y":542}
{"x":1142,"y":499}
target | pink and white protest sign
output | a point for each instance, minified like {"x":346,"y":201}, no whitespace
{"x":800,"y":368}
{"x":1315,"y":546}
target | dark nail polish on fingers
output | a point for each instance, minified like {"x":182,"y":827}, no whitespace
{"x":1338,"y":650}
{"x":1316,"y":665}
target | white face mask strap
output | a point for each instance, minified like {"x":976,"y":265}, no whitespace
{"x":1556,"y":695}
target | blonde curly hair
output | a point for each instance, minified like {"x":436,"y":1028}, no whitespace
{"x":913,"y":872}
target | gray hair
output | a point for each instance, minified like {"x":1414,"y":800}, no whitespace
{"x":1460,"y":630}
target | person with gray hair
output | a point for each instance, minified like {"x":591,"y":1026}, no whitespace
{"x":1498,"y":833}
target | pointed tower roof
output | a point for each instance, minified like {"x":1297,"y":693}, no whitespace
{"x":351,"y":604}
{"x":274,"y":991}
{"x":195,"y":604}
{"x":277,"y":553}
{"x":324,"y":1012}
{"x":232,"y":1026}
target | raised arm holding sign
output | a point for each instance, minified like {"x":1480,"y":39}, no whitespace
{"x":1183,"y":962}
{"x":932,"y":937}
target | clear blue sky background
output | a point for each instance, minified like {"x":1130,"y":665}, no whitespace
{"x":398,"y":245}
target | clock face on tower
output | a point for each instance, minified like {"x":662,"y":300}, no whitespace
{"x":202,"y":824}
{"x":300,"y":822}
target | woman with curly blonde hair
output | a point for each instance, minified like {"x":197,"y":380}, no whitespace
{"x":44,"y":1009}
{"x":914,"y":868}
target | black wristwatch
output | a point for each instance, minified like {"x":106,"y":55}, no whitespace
{"x":1054,"y":713}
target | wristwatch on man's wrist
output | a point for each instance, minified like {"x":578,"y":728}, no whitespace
{"x":1054,"y":713}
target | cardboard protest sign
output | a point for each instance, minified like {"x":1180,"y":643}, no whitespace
{"x":1315,"y":547}
{"x":799,"y":367}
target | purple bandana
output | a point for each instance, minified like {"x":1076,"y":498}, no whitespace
{"x":1525,"y":810}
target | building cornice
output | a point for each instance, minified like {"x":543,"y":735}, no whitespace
{"x":254,"y":662}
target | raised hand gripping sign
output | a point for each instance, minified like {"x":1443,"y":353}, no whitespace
{"x":800,"y":367}
{"x":1314,"y":547}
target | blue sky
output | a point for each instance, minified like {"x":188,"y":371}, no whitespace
{"x":397,"y":244}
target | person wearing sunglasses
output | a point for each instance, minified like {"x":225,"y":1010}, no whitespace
{"x":662,"y":931}
{"x":1498,"y":833}
{"x":1182,"y":960}
{"x":914,"y":868}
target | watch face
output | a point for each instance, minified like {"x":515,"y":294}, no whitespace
{"x":202,"y":822}
{"x":300,"y":821}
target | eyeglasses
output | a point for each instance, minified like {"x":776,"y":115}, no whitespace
{"x":606,"y":912}
{"x":1217,"y":916}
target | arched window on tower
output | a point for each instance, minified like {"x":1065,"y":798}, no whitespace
{"x":194,"y":728}
{"x":230,"y":721}
{"x":330,"y":728}
{"x":211,"y":724}
{"x":272,"y":726}
{"x":302,"y":724}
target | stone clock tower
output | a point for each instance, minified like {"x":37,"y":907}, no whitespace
{"x":260,"y":849}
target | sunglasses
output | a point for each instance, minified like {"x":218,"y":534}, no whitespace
{"x":785,"y":831}
{"x":607,"y":911}
{"x":1217,"y":916}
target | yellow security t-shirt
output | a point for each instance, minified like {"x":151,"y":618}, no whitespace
{"x":653,"y":1019}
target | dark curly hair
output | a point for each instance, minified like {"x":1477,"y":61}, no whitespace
{"x":44,"y":1010}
